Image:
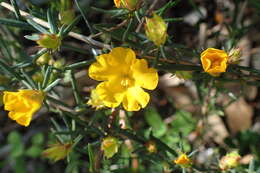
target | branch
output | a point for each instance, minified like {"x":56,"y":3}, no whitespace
{"x":77,"y":36}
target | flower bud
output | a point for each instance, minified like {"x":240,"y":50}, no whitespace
{"x":50,"y":41}
{"x":57,"y":151}
{"x":156,"y":30}
{"x":183,"y":160}
{"x":151,"y":147}
{"x":67,"y":16}
{"x":110,"y":146}
{"x":59,"y":64}
{"x":229,"y":161}
{"x":45,"y":59}
{"x":95,"y":101}
{"x":128,"y":4}
{"x":38,"y":77}
{"x":234,"y":56}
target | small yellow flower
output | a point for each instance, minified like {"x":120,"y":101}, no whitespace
{"x":214,"y":61}
{"x":22,"y":105}
{"x":110,"y":146}
{"x":50,"y":41}
{"x":156,"y":30}
{"x":183,"y":160}
{"x":229,"y":161}
{"x":127,"y":4}
{"x":95,"y":100}
{"x":57,"y":151}
{"x":124,"y":77}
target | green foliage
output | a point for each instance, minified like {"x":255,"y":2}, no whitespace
{"x":178,"y":116}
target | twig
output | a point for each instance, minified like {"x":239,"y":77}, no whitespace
{"x":77,"y":36}
{"x":148,"y":12}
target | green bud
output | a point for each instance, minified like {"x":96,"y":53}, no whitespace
{"x":110,"y":146}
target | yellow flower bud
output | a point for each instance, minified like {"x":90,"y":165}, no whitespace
{"x":38,"y":77}
{"x":110,"y":146}
{"x":67,"y":16}
{"x":45,"y":59}
{"x":229,"y":161}
{"x":128,"y":4}
{"x":156,"y":30}
{"x":214,"y":61}
{"x":22,"y":105}
{"x":183,"y":160}
{"x":50,"y":41}
{"x":95,"y":100}
{"x":59,"y":64}
{"x":234,"y":56}
{"x":57,"y":151}
{"x":151,"y":147}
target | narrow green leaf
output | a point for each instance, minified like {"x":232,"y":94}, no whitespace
{"x":16,"y":10}
{"x":15,"y":23}
{"x":91,"y":159}
{"x":52,"y":21}
{"x":84,"y":16}
{"x":67,"y":29}
{"x":47,"y":77}
{"x":37,"y":26}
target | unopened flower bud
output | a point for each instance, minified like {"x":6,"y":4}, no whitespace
{"x":151,"y":147}
{"x":156,"y":30}
{"x":50,"y":41}
{"x":45,"y":59}
{"x":183,"y":160}
{"x":128,"y":4}
{"x":234,"y":56}
{"x":229,"y":161}
{"x":57,"y":151}
{"x":59,"y":64}
{"x":38,"y":77}
{"x":95,"y":100}
{"x":110,"y":146}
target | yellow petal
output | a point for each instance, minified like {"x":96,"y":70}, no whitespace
{"x":22,"y":105}
{"x":118,"y":61}
{"x":144,"y":76}
{"x":111,"y":92}
{"x":135,"y":98}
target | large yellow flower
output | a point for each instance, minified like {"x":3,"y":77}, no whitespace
{"x":124,"y":77}
{"x":214,"y":61}
{"x":22,"y":104}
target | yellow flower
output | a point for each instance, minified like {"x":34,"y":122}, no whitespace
{"x":229,"y":161}
{"x":156,"y":30}
{"x":214,"y":61}
{"x":57,"y":151}
{"x":183,"y":160}
{"x":128,"y":4}
{"x":95,"y":100}
{"x":124,"y":77}
{"x":22,"y":105}
{"x":110,"y":146}
{"x":50,"y":41}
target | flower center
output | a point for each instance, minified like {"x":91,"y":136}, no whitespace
{"x":127,"y":81}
